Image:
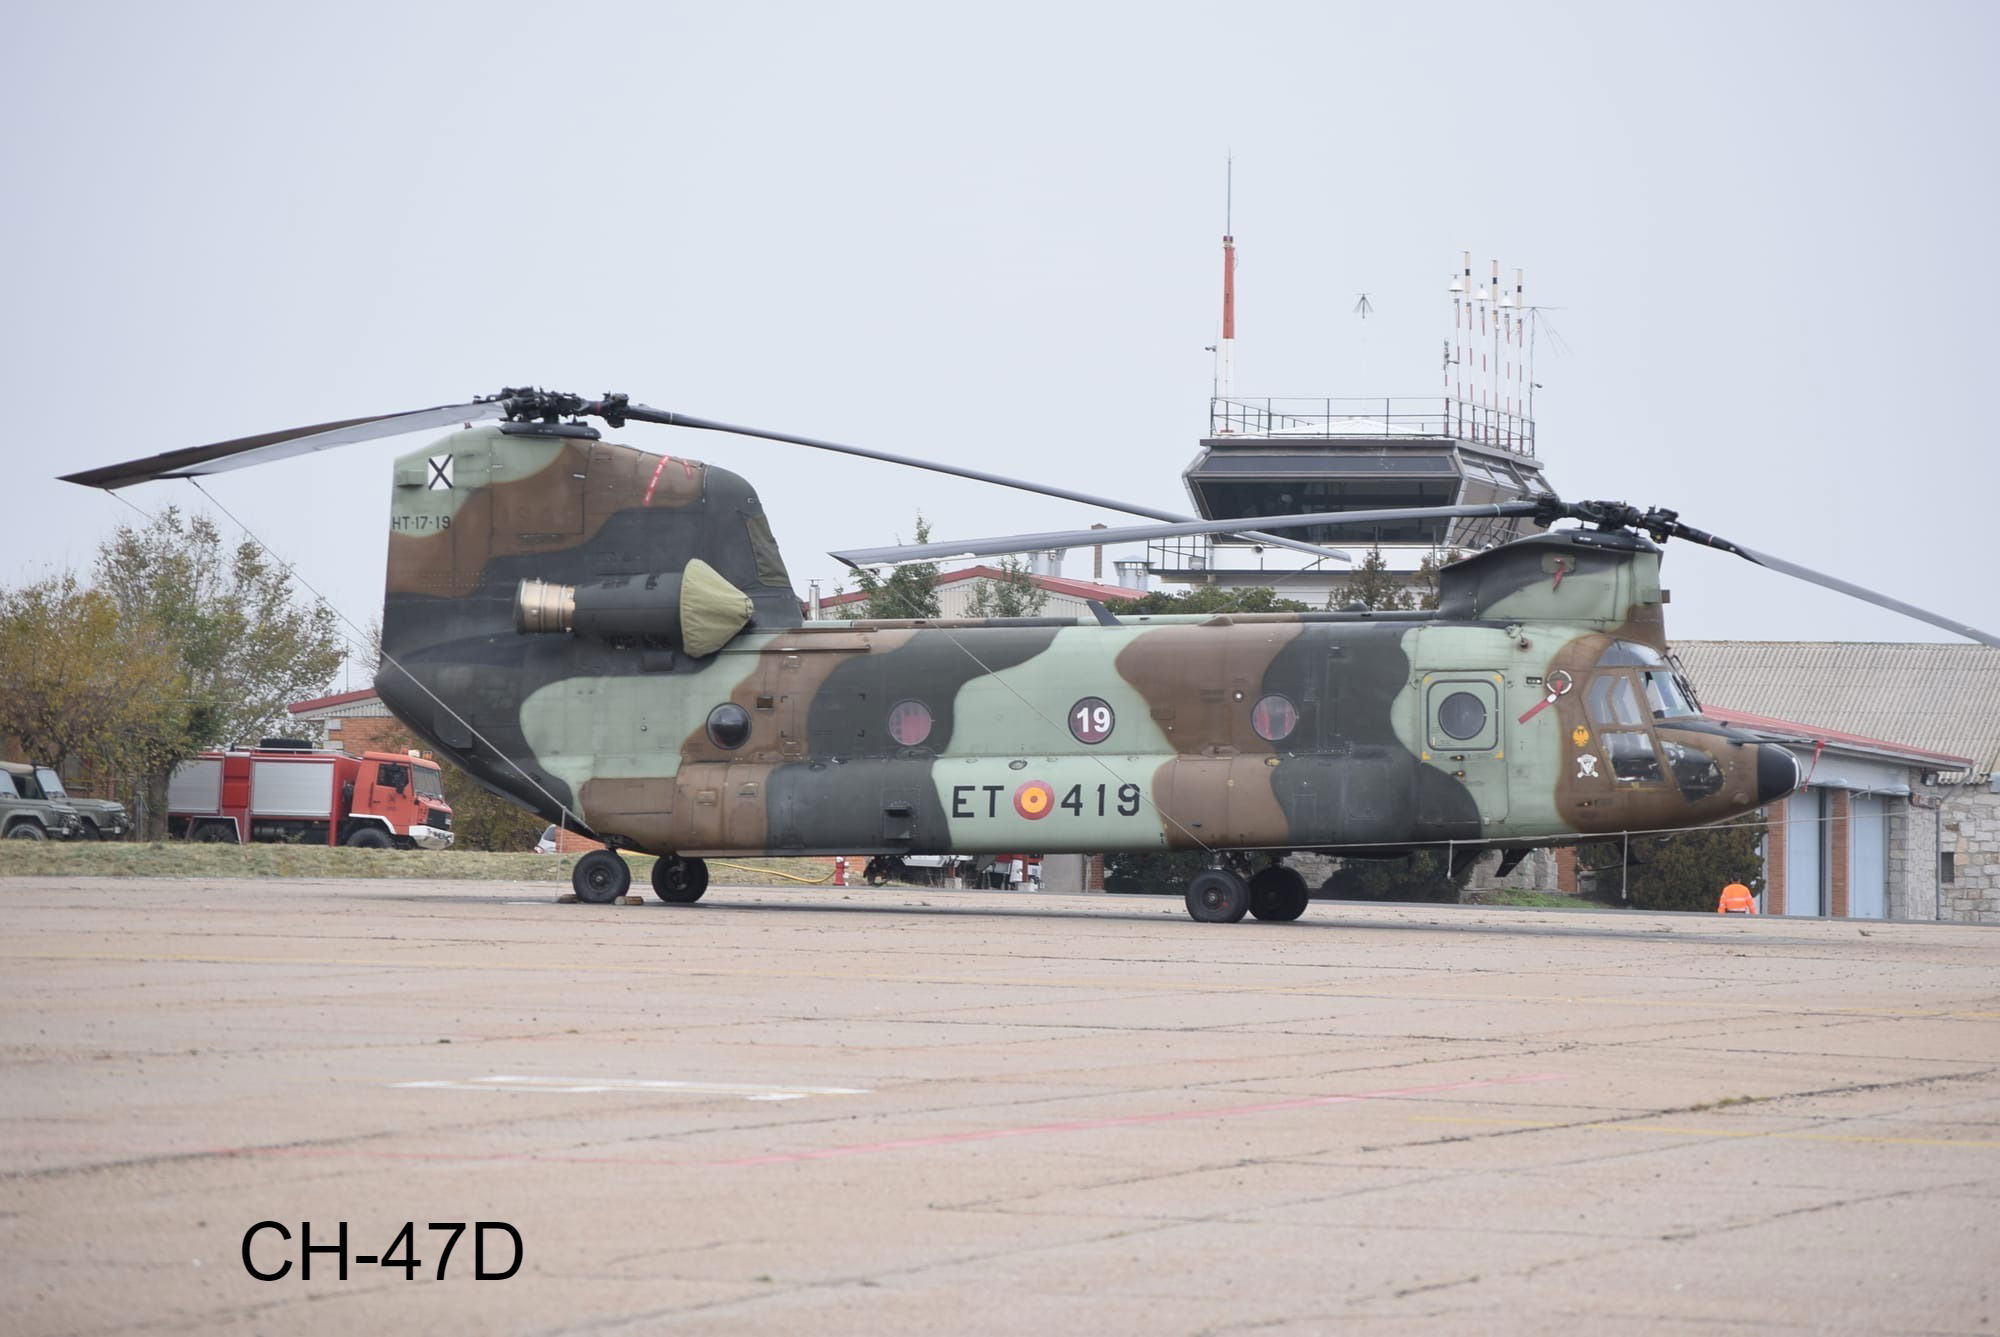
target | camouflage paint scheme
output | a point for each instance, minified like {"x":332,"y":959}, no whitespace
{"x":610,"y":732}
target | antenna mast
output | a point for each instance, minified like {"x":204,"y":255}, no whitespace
{"x":1226,"y":380}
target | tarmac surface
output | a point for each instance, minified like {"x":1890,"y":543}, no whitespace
{"x":825,"y":1111}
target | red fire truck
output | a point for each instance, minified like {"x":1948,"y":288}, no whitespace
{"x":284,"y":790}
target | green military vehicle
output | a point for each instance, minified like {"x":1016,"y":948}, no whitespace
{"x":103,"y":819}
{"x":27,"y":813}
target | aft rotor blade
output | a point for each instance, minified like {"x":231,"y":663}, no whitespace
{"x":1825,"y":581}
{"x":641,"y":413}
{"x":1076,"y":538}
{"x":245,"y":451}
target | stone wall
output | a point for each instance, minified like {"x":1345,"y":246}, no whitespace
{"x":1912,"y":848}
{"x":1971,"y":834}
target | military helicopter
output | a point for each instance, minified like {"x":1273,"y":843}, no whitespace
{"x":609,"y":638}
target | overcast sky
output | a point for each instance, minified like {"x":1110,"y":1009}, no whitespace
{"x":991,"y":235}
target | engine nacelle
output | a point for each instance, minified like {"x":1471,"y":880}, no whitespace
{"x":693,"y":609}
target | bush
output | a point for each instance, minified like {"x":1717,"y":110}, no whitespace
{"x":1421,"y":876}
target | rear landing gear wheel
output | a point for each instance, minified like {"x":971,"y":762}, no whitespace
{"x":679,"y":881}
{"x":600,"y":877}
{"x":1278,"y":894}
{"x":1218,"y":896}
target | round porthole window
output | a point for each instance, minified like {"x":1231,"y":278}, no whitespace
{"x":910,"y":723}
{"x":1462,"y":715}
{"x":729,"y":726}
{"x":1274,"y":718}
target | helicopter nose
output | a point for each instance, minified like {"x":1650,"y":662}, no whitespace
{"x":1777,"y":772}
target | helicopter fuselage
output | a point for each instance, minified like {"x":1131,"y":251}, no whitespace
{"x":1535,"y":706}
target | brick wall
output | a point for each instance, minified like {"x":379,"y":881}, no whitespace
{"x":1839,"y":843}
{"x":1777,"y":838}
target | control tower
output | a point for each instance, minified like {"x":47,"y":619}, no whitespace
{"x":1472,"y":442}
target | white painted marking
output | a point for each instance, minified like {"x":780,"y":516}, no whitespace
{"x":605,"y":1085}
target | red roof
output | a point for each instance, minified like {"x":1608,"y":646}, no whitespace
{"x":1833,"y":737}
{"x":337,"y":699}
{"x":1075,"y":589}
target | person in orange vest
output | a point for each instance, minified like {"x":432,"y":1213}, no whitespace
{"x":1736,"y":900}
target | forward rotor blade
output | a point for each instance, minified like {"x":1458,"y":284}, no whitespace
{"x":248,"y":450}
{"x":1077,"y":538}
{"x":1825,"y":581}
{"x":641,"y":413}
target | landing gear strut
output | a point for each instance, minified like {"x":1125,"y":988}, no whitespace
{"x":600,"y":877}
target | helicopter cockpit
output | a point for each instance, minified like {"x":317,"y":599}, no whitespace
{"x":1634,"y":690}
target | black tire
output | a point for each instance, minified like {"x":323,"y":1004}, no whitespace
{"x":1218,"y":896}
{"x":1278,"y":894}
{"x":369,"y":838}
{"x":214,"y":833}
{"x":27,"y":831}
{"x":90,"y":831}
{"x":679,"y":881}
{"x":600,"y":877}
{"x":876,"y":873}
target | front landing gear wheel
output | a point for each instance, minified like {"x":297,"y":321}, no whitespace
{"x":1278,"y":894}
{"x":1218,"y":896}
{"x":600,"y":877}
{"x":679,"y":881}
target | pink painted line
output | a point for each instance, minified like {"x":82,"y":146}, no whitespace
{"x":1127,"y":1121}
{"x":904,"y":1143}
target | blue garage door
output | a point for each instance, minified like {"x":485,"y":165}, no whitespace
{"x":1868,"y":858}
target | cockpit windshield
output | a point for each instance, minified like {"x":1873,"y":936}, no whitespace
{"x":52,"y":785}
{"x":430,"y":783}
{"x":1666,"y":695}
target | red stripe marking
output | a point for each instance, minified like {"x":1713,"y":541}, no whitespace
{"x":647,"y":500}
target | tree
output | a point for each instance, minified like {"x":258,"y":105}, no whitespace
{"x":1012,"y":595}
{"x":78,"y":682}
{"x":1683,"y":871}
{"x":1207,"y":599}
{"x":1372,"y":585}
{"x":245,"y":643}
{"x":908,"y":591}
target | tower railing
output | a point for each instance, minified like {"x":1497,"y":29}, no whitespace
{"x":1431,"y":416}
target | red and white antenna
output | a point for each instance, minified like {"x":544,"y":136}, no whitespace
{"x":1225,"y":376}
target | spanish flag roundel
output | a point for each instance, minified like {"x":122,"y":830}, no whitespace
{"x":1033,"y":800}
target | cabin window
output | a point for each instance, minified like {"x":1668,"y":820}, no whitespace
{"x":1630,"y":654}
{"x":1274,"y":718}
{"x":1632,"y":757}
{"x":393,"y":776}
{"x":729,"y":726}
{"x":1611,"y":701}
{"x":1462,"y":715}
{"x":1091,"y":720}
{"x":910,"y":723}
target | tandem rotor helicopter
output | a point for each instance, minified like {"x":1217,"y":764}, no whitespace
{"x":610,"y":639}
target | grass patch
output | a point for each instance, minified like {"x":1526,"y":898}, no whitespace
{"x":1554,"y":900}
{"x":31,"y":858}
